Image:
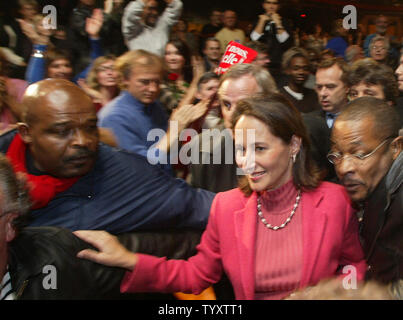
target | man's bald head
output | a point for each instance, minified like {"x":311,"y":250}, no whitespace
{"x":50,"y":91}
{"x":60,"y":128}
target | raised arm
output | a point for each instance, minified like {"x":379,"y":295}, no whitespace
{"x":172,"y":12}
{"x":132,"y":25}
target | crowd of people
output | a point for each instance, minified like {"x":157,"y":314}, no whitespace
{"x":122,"y":144}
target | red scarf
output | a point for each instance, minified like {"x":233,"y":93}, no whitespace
{"x":42,"y":188}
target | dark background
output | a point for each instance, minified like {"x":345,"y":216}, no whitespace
{"x":312,"y":11}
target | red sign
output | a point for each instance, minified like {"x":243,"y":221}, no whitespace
{"x":235,"y":53}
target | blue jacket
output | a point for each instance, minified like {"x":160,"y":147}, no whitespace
{"x":122,"y":193}
{"x":338,"y":45}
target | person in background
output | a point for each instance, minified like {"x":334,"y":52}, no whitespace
{"x":102,"y":81}
{"x":379,"y":51}
{"x":337,"y":43}
{"x":296,"y":66}
{"x":210,"y":173}
{"x":353,"y":53}
{"x":280,"y":207}
{"x":145,"y":28}
{"x":137,"y":110}
{"x":78,"y":38}
{"x":48,"y":61}
{"x":115,"y":45}
{"x":14,"y":44}
{"x":210,"y":29}
{"x":212,"y":54}
{"x":262,"y":59}
{"x":207,"y":88}
{"x":229,"y":31}
{"x":381,"y":28}
{"x":313,"y":48}
{"x":370,"y":78}
{"x":179,"y":75}
{"x":275,"y":31}
{"x":181,"y":31}
{"x":332,"y":89}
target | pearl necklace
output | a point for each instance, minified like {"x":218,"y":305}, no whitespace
{"x":275,"y":228}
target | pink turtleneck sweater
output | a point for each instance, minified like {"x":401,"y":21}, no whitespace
{"x":278,"y":253}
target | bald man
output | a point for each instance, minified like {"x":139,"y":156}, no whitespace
{"x":79,"y":183}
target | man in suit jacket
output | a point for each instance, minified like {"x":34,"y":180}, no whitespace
{"x":332,"y":89}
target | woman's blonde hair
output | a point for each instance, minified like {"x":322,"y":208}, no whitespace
{"x":92,"y":76}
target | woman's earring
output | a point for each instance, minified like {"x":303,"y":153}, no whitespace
{"x":294,"y":156}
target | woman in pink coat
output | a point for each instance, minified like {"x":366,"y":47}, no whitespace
{"x":280,"y":231}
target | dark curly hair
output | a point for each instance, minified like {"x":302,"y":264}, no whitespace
{"x":371,"y":72}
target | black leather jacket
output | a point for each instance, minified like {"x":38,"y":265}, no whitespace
{"x":35,"y":248}
{"x":382,"y":227}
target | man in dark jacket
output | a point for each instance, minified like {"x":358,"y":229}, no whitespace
{"x":367,"y":133}
{"x":41,"y":262}
{"x":332,"y":89}
{"x":78,"y":183}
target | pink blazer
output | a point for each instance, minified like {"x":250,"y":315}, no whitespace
{"x":330,"y":235}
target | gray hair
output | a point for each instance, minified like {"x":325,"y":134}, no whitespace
{"x":380,"y":38}
{"x":263,"y":77}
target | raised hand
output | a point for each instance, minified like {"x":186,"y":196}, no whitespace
{"x":187,"y":114}
{"x":29,"y":30}
{"x":198,"y":66}
{"x":94,"y":23}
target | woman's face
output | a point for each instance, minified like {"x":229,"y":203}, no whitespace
{"x":106,"y":74}
{"x":60,"y":69}
{"x":265,"y":159}
{"x":378,"y":51}
{"x":173,"y":59}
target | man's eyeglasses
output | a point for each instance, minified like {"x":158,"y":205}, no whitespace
{"x":336,"y":158}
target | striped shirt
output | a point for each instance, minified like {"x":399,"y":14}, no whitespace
{"x":6,"y":291}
